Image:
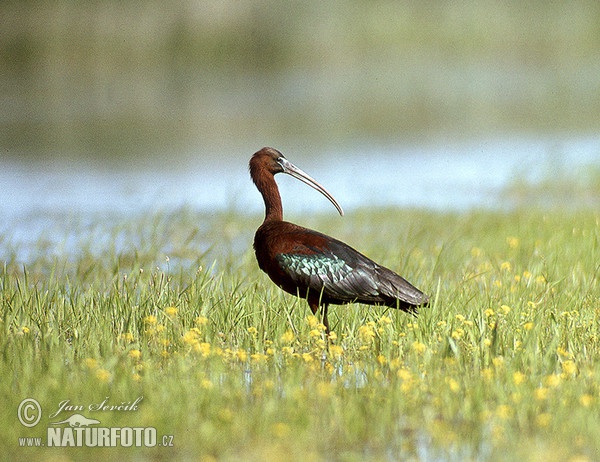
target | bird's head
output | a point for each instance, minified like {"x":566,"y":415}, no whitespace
{"x":271,"y":161}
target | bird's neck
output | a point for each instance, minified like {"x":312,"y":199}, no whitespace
{"x":270,"y":192}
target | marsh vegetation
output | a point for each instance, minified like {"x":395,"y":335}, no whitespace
{"x":172,"y":307}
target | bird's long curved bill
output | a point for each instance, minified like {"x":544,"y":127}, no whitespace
{"x":294,"y":171}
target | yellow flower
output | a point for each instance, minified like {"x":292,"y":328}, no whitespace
{"x":201,"y":320}
{"x":312,"y":321}
{"x":333,"y":336}
{"x":384,"y":320}
{"x":91,"y":363}
{"x":315,"y":333}
{"x":103,"y":375}
{"x":458,"y":333}
{"x":203,"y":348}
{"x":225,"y":414}
{"x":419,"y":347}
{"x":543,"y":420}
{"x":552,"y":381}
{"x":503,"y":411}
{"x":206,"y":384}
{"x":540,"y":394}
{"x":190,"y":337}
{"x":135,"y":354}
{"x":171,"y":311}
{"x":128,"y":337}
{"x":404,"y":374}
{"x":252,"y":330}
{"x":25,"y":330}
{"x":453,"y":384}
{"x":527,"y":275}
{"x":280,"y":430}
{"x":569,"y":368}
{"x":586,"y":400}
{"x":268,"y":384}
{"x":407,"y":385}
{"x":505,"y":266}
{"x":150,"y":320}
{"x":324,"y":389}
{"x":242,"y":355}
{"x":258,"y":358}
{"x":287,"y":337}
{"x":528,"y":326}
{"x":563,"y":353}
{"x":519,"y":378}
{"x":505,"y":309}
{"x":307,"y":357}
{"x":487,"y":374}
{"x":287,"y":350}
{"x":366,"y":333}
{"x":513,"y":242}
{"x":336,"y":351}
{"x":498,"y":361}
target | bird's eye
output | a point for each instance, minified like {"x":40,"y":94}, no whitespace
{"x":282,"y":162}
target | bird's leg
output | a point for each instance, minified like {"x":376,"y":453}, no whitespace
{"x":314,"y":306}
{"x":325,"y":320}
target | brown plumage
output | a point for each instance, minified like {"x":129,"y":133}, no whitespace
{"x":314,"y":266}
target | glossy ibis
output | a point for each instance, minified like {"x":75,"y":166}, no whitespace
{"x":314,"y":266}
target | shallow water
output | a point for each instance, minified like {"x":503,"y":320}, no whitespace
{"x":60,"y":205}
{"x":455,"y":176}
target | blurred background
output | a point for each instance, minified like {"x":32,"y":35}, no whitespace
{"x":162,"y":103}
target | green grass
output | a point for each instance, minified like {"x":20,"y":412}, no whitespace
{"x":172,"y":307}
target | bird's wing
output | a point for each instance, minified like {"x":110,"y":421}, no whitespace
{"x":343,"y":274}
{"x":324,"y":273}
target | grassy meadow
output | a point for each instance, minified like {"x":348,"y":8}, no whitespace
{"x":172,"y":307}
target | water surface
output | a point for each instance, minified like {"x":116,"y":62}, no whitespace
{"x":453,"y":176}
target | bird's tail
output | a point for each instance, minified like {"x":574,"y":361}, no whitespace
{"x":400,"y":293}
